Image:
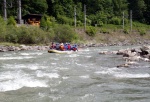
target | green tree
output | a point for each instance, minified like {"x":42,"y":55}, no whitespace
{"x":138,"y":8}
{"x":147,"y":12}
{"x":102,"y":9}
{"x":61,"y":7}
{"x":47,"y":22}
{"x":34,"y":6}
{"x":119,"y":6}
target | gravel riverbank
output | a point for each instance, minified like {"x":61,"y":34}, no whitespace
{"x":44,"y":47}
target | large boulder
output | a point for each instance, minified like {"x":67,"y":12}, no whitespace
{"x":145,"y":50}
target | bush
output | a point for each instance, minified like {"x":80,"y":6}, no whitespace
{"x":64,"y":33}
{"x":91,"y":31}
{"x":47,"y":22}
{"x":2,"y":29}
{"x":142,"y":32}
{"x":11,"y":21}
{"x":100,"y":23}
{"x":64,"y":20}
{"x":28,"y":35}
{"x":126,"y":31}
{"x":116,"y":21}
{"x":43,"y":23}
{"x":79,"y":23}
{"x":33,"y":35}
{"x":104,"y":30}
{"x":11,"y":34}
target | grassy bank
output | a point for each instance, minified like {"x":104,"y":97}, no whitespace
{"x":112,"y":34}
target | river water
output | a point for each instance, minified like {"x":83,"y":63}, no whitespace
{"x":83,"y":76}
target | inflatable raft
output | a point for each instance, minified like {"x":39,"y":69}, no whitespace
{"x":58,"y":51}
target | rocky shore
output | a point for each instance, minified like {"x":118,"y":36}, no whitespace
{"x":22,"y":47}
{"x":132,"y":56}
{"x":44,"y":47}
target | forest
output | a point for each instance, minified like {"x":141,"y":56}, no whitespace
{"x":58,"y":15}
{"x":97,"y":11}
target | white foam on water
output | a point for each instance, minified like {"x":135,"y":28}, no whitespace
{"x":29,"y":53}
{"x":17,"y":58}
{"x":25,"y":54}
{"x":23,"y":66}
{"x":13,"y":80}
{"x":41,"y":94}
{"x":5,"y":76}
{"x":53,"y":63}
{"x":55,"y":98}
{"x":108,"y":71}
{"x":85,"y":76}
{"x":82,"y":65}
{"x":87,"y":96}
{"x":85,"y":50}
{"x":19,"y":83}
{"x":118,"y":73}
{"x":79,"y":64}
{"x":35,"y":66}
{"x":65,"y":77}
{"x":7,"y":54}
{"x":10,"y":66}
{"x":49,"y":75}
{"x":73,"y":55}
{"x":127,"y":75}
{"x":61,"y":68}
{"x":88,"y":56}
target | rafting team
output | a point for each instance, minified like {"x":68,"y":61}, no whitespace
{"x":64,"y":47}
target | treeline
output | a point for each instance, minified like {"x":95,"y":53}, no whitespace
{"x":97,"y":11}
{"x":57,"y":23}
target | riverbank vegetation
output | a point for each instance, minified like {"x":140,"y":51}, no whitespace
{"x":104,"y":22}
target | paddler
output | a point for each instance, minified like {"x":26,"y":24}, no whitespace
{"x":61,"y":47}
{"x":52,"y":46}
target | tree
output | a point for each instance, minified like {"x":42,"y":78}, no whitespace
{"x":102,"y":9}
{"x":34,"y":6}
{"x":138,"y":7}
{"x":146,"y":14}
{"x":119,"y":6}
{"x":61,"y":7}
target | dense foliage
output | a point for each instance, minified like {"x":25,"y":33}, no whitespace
{"x":56,"y":13}
{"x":98,"y":11}
{"x":33,"y":35}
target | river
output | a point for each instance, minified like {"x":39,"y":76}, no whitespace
{"x":83,"y":76}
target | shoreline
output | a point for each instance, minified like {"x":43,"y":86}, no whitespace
{"x":4,"y":48}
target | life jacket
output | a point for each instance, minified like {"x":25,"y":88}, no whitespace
{"x":74,"y":48}
{"x":61,"y":48}
{"x":57,"y":46}
{"x":69,"y":47}
{"x":66,"y":47}
{"x":52,"y":46}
